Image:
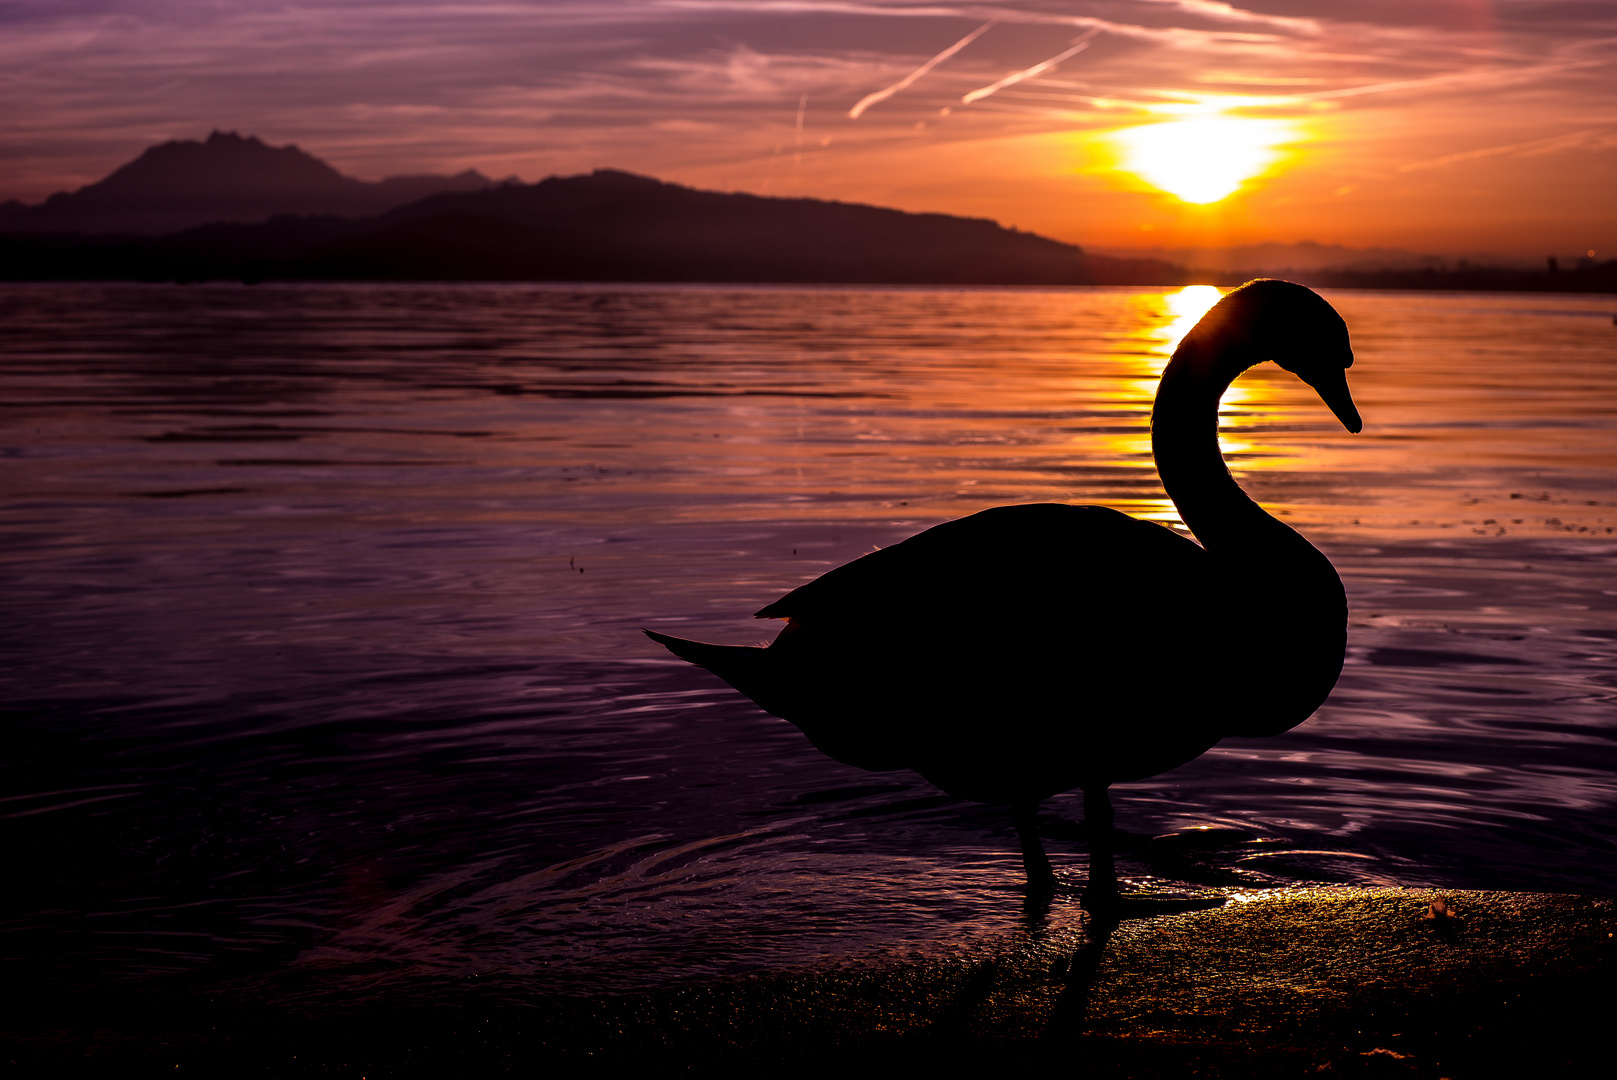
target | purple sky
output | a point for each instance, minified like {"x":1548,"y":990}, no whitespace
{"x":1447,"y":125}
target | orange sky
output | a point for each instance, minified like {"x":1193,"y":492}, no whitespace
{"x":1449,"y":126}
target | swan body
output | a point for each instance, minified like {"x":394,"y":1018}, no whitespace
{"x":1028,"y":650}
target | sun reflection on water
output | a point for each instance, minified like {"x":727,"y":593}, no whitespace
{"x":1187,"y":306}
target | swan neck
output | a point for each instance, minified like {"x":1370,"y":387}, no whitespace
{"x":1184,"y":440}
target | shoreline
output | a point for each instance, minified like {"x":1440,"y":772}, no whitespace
{"x":1291,"y":982}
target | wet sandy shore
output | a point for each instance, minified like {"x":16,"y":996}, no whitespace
{"x":1305,"y":982}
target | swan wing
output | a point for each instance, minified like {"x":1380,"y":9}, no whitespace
{"x":1034,"y":632}
{"x":1032,"y":557}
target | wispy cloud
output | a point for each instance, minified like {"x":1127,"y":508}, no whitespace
{"x":1158,"y":33}
{"x":1222,"y":12}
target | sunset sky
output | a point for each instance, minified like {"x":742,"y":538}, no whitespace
{"x":1450,"y":126}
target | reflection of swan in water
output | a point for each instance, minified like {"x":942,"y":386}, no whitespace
{"x":1027,"y":650}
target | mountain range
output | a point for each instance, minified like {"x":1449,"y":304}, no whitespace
{"x":233,"y":208}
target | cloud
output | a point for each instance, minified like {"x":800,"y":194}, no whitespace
{"x":1215,"y":10}
{"x":1209,"y":10}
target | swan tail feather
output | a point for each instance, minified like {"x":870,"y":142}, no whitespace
{"x":735,"y":664}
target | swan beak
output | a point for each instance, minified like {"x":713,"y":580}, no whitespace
{"x":1333,"y":389}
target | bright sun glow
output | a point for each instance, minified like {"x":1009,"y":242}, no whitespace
{"x":1202,"y":159}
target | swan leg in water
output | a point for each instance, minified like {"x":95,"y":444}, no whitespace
{"x":1040,"y":878}
{"x":1101,"y":891}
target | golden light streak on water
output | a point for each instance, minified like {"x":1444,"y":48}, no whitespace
{"x":1187,"y":306}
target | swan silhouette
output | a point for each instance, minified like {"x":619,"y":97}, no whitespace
{"x":1028,"y":650}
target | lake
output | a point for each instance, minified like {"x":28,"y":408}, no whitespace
{"x":323,"y":675}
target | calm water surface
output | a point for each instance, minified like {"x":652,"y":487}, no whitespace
{"x":322,"y":673}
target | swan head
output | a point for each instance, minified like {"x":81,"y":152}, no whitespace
{"x":1292,"y":325}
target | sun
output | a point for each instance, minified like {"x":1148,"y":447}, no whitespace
{"x":1202,"y":159}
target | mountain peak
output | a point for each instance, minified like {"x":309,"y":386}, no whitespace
{"x":227,"y":138}
{"x":183,"y":170}
{"x":228,"y":177}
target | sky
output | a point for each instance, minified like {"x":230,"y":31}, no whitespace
{"x":1448,"y":126}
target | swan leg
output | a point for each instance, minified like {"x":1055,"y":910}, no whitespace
{"x":1101,"y":892}
{"x":1037,"y":864}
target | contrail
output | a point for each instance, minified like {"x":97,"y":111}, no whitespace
{"x":882,"y":95}
{"x":1525,"y":149}
{"x":1037,"y":69}
{"x":1505,"y":78}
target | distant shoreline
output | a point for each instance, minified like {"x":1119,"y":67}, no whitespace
{"x":1599,"y":278}
{"x":917,"y":250}
{"x":14,"y":269}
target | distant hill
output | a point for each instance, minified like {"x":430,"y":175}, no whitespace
{"x":616,"y":226}
{"x":1273,"y":258}
{"x":183,"y":184}
{"x":604,"y":226}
